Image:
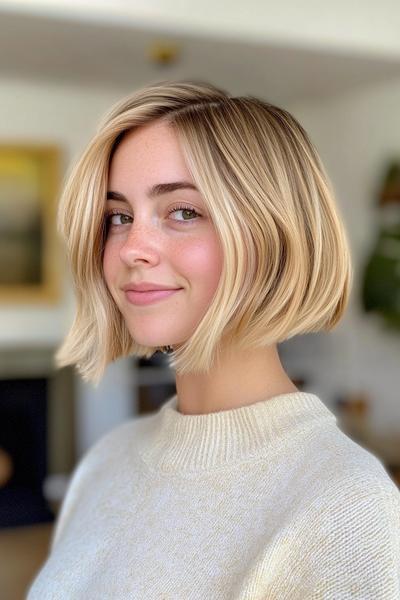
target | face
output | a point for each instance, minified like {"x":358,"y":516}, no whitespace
{"x":165,"y":237}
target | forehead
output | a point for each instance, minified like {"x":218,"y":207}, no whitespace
{"x":149,"y":150}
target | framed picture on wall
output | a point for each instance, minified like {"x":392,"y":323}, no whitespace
{"x":29,"y":245}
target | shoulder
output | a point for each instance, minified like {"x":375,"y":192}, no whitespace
{"x":330,"y":464}
{"x":358,"y":498}
{"x":111,"y":447}
{"x":351,"y":535}
{"x":116,"y":440}
{"x":103,"y":458}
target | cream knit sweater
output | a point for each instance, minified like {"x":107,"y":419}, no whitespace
{"x":270,"y":501}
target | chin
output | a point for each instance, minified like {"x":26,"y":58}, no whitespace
{"x":149,"y":341}
{"x":154,"y":337}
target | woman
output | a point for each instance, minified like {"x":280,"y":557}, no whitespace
{"x":240,"y":486}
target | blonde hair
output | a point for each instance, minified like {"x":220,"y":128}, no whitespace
{"x":287,"y":267}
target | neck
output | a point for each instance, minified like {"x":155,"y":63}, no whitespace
{"x":240,"y":378}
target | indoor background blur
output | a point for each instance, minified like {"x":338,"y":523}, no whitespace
{"x":63,"y":63}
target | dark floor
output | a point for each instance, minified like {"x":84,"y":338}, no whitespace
{"x":23,"y":551}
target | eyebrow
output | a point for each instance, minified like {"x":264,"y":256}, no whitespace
{"x":156,"y":190}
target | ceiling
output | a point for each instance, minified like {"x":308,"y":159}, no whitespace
{"x":101,"y":54}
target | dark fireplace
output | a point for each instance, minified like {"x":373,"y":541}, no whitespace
{"x":23,"y":451}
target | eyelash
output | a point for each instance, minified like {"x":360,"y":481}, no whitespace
{"x":176,"y":208}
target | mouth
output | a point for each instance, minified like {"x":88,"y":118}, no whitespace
{"x":150,"y":296}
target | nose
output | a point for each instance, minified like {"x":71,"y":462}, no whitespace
{"x":141,"y":245}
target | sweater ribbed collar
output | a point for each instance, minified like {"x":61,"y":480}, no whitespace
{"x":178,"y":442}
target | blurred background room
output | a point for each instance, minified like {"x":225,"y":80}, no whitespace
{"x":334,"y":65}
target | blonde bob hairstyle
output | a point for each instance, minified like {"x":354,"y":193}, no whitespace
{"x":287,"y":266}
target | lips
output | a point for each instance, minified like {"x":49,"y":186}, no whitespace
{"x":147,"y":287}
{"x":150,"y":296}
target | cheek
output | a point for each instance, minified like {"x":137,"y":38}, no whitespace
{"x":202,"y":262}
{"x":110,"y":260}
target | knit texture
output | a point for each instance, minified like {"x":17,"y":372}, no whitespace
{"x":271,"y":501}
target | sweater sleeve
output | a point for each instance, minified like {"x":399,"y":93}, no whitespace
{"x":355,"y":546}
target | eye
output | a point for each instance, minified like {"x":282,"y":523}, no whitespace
{"x":184,"y":210}
{"x":115,"y":213}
